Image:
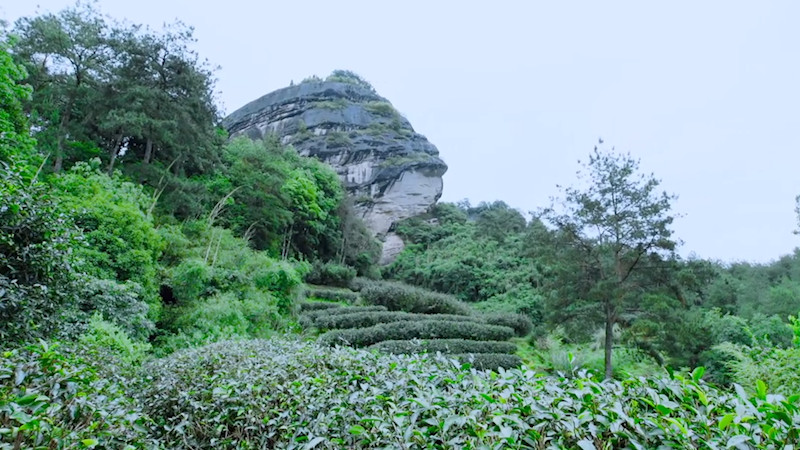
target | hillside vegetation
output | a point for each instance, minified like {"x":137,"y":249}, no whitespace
{"x":163,"y":286}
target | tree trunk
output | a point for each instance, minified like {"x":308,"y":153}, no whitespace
{"x":59,"y":160}
{"x":148,"y":151}
{"x":609,"y":340}
{"x":112,"y":155}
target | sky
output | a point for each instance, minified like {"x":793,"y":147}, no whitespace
{"x":515,"y":93}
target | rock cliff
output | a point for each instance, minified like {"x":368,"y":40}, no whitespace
{"x":391,"y":171}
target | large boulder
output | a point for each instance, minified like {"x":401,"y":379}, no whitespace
{"x":391,"y":171}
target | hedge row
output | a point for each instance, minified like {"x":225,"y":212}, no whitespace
{"x":317,"y":306}
{"x":521,"y":323}
{"x":427,"y":329}
{"x":332,"y":294}
{"x":365,"y":317}
{"x":402,"y":297}
{"x":444,"y":346}
{"x":489,"y":361}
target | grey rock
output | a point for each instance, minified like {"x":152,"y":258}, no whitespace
{"x":391,"y":171}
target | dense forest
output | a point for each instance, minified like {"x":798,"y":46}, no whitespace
{"x":163,"y":286}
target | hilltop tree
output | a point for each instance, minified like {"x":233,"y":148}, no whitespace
{"x":614,"y":229}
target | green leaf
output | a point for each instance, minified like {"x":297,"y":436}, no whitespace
{"x":761,"y":390}
{"x":357,"y":430}
{"x":90,"y":443}
{"x":697,"y":373}
{"x":726,"y":421}
{"x":737,"y":440}
{"x":586,"y":444}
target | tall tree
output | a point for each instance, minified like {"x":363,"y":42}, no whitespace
{"x":616,"y":226}
{"x":67,"y":56}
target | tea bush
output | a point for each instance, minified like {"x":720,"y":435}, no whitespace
{"x":342,"y":310}
{"x":489,"y":361}
{"x":50,"y":398}
{"x":331,"y":294}
{"x":427,"y":329}
{"x":368,"y":318}
{"x":317,"y":306}
{"x":282,"y":394}
{"x":521,"y":323}
{"x":444,"y":346}
{"x":330,"y":274}
{"x":402,"y":297}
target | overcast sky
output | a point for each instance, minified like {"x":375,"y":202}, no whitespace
{"x":514,"y":93}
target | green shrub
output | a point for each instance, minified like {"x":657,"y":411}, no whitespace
{"x":427,"y":329}
{"x":402,"y":297}
{"x":120,"y":303}
{"x":330,"y":274}
{"x":337,"y":103}
{"x":350,"y":77}
{"x":281,"y":394}
{"x":336,"y":139}
{"x":490,"y":361}
{"x":369,"y":317}
{"x":332,"y":294}
{"x":37,"y":249}
{"x":521,"y":324}
{"x":221,"y":317}
{"x":51,"y":398}
{"x":316,"y":306}
{"x":775,"y":367}
{"x":106,"y":338}
{"x":360,"y":319}
{"x":341,"y":310}
{"x":382,"y":109}
{"x":444,"y":346}
{"x":359,"y":283}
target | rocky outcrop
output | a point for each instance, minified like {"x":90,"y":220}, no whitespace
{"x":391,"y":171}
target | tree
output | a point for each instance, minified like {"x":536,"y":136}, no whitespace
{"x":616,"y":227}
{"x":14,"y":129}
{"x":67,"y":57}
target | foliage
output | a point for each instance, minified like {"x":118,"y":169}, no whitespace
{"x":382,"y":109}
{"x":220,"y":288}
{"x":36,"y":258}
{"x":362,"y":319}
{"x":335,"y":139}
{"x":488,"y":361}
{"x":50,"y":398}
{"x":14,"y":128}
{"x":337,"y":103}
{"x":121,"y":241}
{"x":286,"y":204}
{"x":444,"y":346}
{"x":330,"y":274}
{"x":520,"y":323}
{"x":223,"y":393}
{"x":221,"y":317}
{"x":427,"y":329}
{"x":617,"y":227}
{"x":347,"y":76}
{"x":307,"y":306}
{"x":774,"y":367}
{"x":331,"y":294}
{"x":107,"y":341}
{"x":402,"y":297}
{"x":100,"y":87}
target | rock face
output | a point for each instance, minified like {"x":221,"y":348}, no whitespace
{"x":391,"y":171}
